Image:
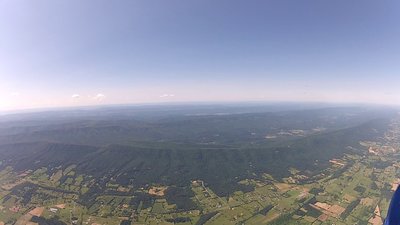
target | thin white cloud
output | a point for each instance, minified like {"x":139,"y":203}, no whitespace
{"x":167,"y":95}
{"x":75,"y":96}
{"x":15,"y":94}
{"x":99,"y":97}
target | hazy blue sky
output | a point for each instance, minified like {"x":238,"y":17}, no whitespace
{"x":62,"y":53}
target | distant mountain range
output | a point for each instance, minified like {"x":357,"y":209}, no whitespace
{"x":172,"y":146}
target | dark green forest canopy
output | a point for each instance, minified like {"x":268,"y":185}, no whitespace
{"x":173,"y":150}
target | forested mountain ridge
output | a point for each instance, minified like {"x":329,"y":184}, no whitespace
{"x":177,"y":158}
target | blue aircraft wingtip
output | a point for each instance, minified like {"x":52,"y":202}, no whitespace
{"x":393,"y":215}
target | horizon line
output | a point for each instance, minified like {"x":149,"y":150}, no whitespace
{"x":183,"y":103}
